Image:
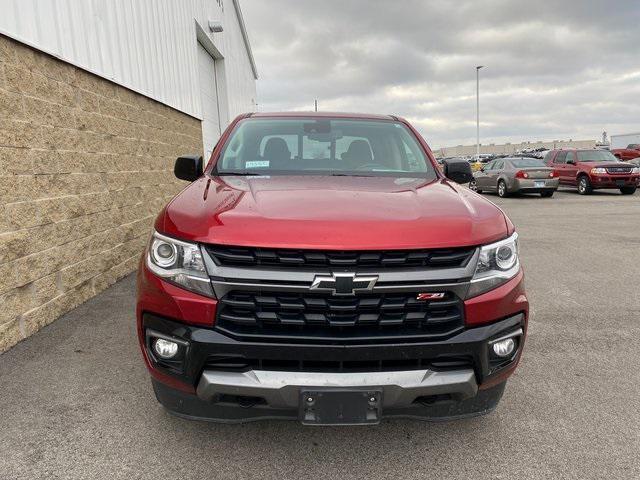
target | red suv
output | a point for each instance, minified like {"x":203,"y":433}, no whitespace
{"x":593,"y":169}
{"x":322,"y":268}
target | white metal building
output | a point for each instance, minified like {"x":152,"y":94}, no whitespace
{"x":622,"y":140}
{"x":193,"y":55}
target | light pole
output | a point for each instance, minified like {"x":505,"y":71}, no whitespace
{"x":478,"y":111}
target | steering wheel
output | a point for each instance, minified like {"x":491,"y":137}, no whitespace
{"x":371,"y":166}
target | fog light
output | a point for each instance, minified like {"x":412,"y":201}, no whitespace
{"x":165,"y":348}
{"x":504,"y":348}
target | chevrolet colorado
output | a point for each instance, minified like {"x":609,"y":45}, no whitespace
{"x":322,"y":268}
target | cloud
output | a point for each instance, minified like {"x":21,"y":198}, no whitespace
{"x":554,"y":69}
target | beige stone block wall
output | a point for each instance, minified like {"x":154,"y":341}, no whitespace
{"x":85,"y":166}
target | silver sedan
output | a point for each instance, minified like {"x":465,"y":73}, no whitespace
{"x":515,"y":175}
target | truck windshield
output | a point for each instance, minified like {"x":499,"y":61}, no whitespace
{"x":325,"y":146}
{"x":596,"y":156}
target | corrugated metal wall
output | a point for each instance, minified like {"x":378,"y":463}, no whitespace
{"x":621,"y":141}
{"x":147,"y":45}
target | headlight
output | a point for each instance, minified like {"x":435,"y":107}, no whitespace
{"x":179,"y":262}
{"x":635,"y":170}
{"x":497,"y":264}
{"x":598,"y":170}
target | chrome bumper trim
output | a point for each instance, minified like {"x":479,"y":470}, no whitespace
{"x":282,"y":389}
{"x":225,"y":279}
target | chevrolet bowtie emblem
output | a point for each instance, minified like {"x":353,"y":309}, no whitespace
{"x":344,"y":283}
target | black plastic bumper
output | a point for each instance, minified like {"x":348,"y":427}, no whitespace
{"x":202,"y":343}
{"x":199,"y":345}
{"x":192,"y":407}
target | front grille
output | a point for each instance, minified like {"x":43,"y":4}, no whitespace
{"x":619,"y":170}
{"x":322,"y":317}
{"x":291,"y":258}
{"x":242,"y":363}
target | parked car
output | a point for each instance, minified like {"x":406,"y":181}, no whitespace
{"x":635,"y":161}
{"x":476,"y":165}
{"x":321,"y":268}
{"x":481,"y":158}
{"x":632,"y":151}
{"x":589,"y":170}
{"x":477,"y":161}
{"x":515,"y":175}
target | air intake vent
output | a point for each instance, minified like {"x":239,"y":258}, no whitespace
{"x":240,"y":363}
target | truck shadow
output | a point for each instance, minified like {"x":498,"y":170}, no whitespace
{"x":573,"y":191}
{"x":328,"y":450}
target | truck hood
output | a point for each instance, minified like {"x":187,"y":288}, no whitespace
{"x":363,"y":213}
{"x":606,"y":164}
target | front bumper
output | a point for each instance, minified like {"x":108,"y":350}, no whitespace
{"x":282,"y":389}
{"x":247,"y":386}
{"x":249,"y":393}
{"x":614,"y":181}
{"x":432,"y":408}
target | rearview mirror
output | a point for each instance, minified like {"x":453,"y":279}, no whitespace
{"x":457,"y":171}
{"x":188,"y":167}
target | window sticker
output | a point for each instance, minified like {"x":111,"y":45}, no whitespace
{"x":256,"y":164}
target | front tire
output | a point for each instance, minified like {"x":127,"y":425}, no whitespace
{"x":628,"y":190}
{"x":546,"y":194}
{"x":502,"y":189}
{"x":584,"y":185}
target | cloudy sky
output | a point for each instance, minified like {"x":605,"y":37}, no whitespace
{"x":554,"y":69}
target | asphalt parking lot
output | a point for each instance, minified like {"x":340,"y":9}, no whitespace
{"x":76,"y":401}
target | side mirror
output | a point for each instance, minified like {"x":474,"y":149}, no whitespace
{"x":570,"y":162}
{"x":459,"y":172}
{"x":189,"y":168}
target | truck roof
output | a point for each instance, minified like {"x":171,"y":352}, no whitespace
{"x":370,"y":116}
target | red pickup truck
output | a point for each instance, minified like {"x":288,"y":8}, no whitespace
{"x":322,"y":268}
{"x":632,"y":151}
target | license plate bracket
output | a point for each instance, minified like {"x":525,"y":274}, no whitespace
{"x":340,"y":407}
{"x":620,"y":183}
